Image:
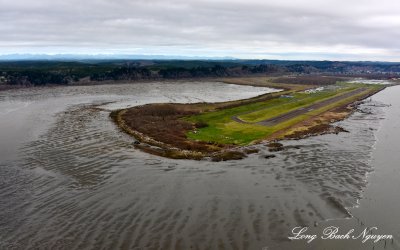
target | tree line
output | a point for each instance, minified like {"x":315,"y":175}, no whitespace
{"x":62,"y":73}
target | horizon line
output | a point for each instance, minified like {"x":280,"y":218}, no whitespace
{"x":121,"y":56}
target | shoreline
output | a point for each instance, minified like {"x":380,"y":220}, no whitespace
{"x":173,"y":143}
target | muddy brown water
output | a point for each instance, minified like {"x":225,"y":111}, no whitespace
{"x":69,"y":179}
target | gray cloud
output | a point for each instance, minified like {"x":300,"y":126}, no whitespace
{"x":312,"y":29}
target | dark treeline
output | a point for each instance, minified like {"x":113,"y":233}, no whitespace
{"x":36,"y":73}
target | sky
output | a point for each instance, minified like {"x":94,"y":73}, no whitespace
{"x":248,"y":29}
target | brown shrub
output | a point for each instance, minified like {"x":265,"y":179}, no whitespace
{"x":162,"y":122}
{"x":201,"y":124}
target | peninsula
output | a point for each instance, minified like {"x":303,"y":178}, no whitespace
{"x":227,"y":130}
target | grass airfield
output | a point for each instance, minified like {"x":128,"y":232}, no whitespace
{"x":242,"y":125}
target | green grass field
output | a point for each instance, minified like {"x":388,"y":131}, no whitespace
{"x":222,"y":129}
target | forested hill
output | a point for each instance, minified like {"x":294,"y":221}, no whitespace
{"x":30,"y":73}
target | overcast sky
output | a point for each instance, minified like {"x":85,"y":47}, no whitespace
{"x":271,"y":29}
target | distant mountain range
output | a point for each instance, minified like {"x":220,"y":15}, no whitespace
{"x":77,"y":57}
{"x":133,"y":57}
